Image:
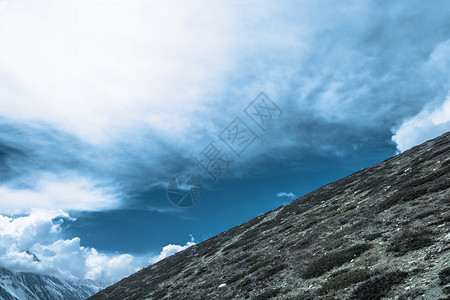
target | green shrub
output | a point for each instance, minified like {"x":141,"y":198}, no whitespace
{"x":412,"y":294}
{"x":401,"y":196}
{"x":308,"y":295}
{"x":251,"y":260}
{"x":159,"y":294}
{"x":249,"y":246}
{"x":373,"y":236}
{"x":444,"y":219}
{"x":236,"y":277}
{"x":344,"y":280}
{"x":240,"y":258}
{"x":238,"y":244}
{"x":197,"y":272}
{"x":267,"y":225}
{"x":350,"y":207}
{"x":310,"y":224}
{"x":336,"y":244}
{"x":371,"y":184}
{"x":267,"y":294}
{"x":272,"y":271}
{"x":285,"y":228}
{"x":416,"y":189}
{"x":439,"y":152}
{"x":258,"y":265}
{"x":246,"y":281}
{"x":409,"y":240}
{"x":426,"y":214}
{"x":378,"y":287}
{"x":444,"y":276}
{"x":329,"y":261}
{"x":445,"y":163}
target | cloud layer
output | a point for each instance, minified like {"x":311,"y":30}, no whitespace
{"x":40,"y":232}
{"x":72,"y":194}
{"x":100,"y":70}
{"x":130,"y":88}
{"x":426,"y":125}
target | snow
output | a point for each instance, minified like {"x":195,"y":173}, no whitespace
{"x":30,"y":286}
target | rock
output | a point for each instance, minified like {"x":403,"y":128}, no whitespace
{"x":447,"y":238}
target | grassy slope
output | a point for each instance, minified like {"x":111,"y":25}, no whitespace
{"x":381,"y":232}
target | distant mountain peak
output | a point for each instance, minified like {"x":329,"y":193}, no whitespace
{"x":32,"y":255}
{"x":31,"y":286}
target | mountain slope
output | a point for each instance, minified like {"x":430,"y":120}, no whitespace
{"x":380,"y":232}
{"x":30,"y":286}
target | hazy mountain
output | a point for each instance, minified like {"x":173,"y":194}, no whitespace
{"x":382,"y":232}
{"x":30,"y":286}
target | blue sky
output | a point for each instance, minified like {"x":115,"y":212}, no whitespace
{"x":102,"y":103}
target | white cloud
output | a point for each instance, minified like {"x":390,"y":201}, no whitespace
{"x":287,"y":195}
{"x":103,"y":71}
{"x":40,"y":233}
{"x":109,"y":267}
{"x":97,"y":68}
{"x":171,"y":249}
{"x":22,"y":232}
{"x":428,"y":124}
{"x":432,"y":120}
{"x":66,"y":193}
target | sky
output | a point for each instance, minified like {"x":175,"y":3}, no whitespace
{"x":130,"y":130}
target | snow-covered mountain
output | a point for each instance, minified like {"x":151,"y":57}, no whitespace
{"x":31,"y":286}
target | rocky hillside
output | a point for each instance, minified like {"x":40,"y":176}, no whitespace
{"x":381,"y":233}
{"x":30,"y":286}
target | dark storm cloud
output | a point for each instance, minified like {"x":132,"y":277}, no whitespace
{"x":345,"y":75}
